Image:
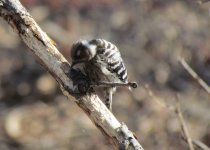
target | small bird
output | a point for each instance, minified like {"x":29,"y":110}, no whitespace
{"x":101,"y":61}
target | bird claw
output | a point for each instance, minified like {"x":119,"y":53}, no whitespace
{"x":80,"y":80}
{"x":83,"y":86}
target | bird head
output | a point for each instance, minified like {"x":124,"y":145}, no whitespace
{"x":82,"y":51}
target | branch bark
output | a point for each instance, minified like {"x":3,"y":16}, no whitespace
{"x":53,"y":61}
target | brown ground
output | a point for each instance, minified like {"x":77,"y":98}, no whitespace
{"x":151,"y":34}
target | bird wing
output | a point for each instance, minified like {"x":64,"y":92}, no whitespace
{"x":111,"y":58}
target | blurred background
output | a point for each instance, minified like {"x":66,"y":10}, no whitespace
{"x":151,"y":35}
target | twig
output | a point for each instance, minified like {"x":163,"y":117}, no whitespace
{"x":200,"y":145}
{"x":156,"y":99}
{"x":177,"y":110}
{"x":202,"y":83}
{"x":183,"y":124}
{"x":53,"y":61}
{"x":202,"y":1}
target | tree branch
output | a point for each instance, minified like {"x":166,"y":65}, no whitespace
{"x":53,"y":61}
{"x":177,"y":110}
{"x":183,"y":124}
{"x":202,"y":1}
{"x":195,"y":76}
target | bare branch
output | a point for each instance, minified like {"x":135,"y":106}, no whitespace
{"x":53,"y":61}
{"x":183,"y":124}
{"x":200,"y":145}
{"x":202,"y":1}
{"x":157,"y":99}
{"x":202,"y":83}
{"x":177,"y":110}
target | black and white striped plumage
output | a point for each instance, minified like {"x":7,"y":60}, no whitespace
{"x":101,"y":61}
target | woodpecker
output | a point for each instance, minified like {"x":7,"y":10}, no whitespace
{"x":101,"y":61}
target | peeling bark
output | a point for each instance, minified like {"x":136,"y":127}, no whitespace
{"x":53,"y":61}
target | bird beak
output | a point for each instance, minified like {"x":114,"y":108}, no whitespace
{"x":76,"y":62}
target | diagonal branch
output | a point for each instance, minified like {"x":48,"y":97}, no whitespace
{"x":200,"y":81}
{"x":177,"y":110}
{"x":202,"y":1}
{"x":183,"y":123}
{"x":53,"y":61}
